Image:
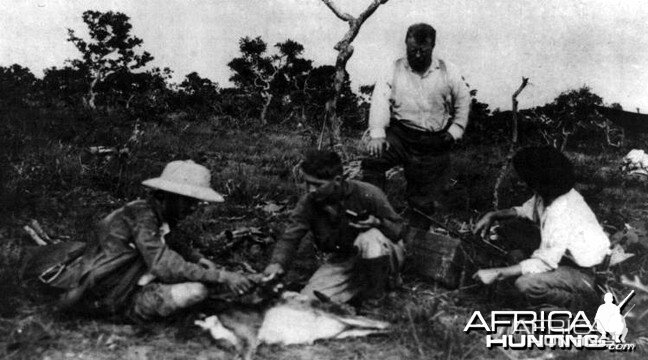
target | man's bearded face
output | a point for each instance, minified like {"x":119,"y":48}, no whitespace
{"x":419,"y":53}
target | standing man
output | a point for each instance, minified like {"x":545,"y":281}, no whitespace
{"x":353,"y":223}
{"x":418,"y":110}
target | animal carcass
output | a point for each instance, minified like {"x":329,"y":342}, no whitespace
{"x":294,"y":319}
{"x":297,"y":320}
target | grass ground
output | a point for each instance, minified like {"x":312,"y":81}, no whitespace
{"x":50,"y":176}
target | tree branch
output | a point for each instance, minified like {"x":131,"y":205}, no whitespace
{"x":355,"y":24}
{"x":517,"y":92}
{"x":369,"y":11}
{"x":514,"y":141}
{"x":337,"y":12}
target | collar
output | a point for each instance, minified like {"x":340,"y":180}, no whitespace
{"x":434,"y":65}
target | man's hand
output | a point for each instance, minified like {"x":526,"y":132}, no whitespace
{"x":368,"y":223}
{"x":487,"y":276}
{"x":484,"y":224}
{"x":236,"y":282}
{"x":272,"y":271}
{"x":376,"y":146}
{"x":447,"y":138}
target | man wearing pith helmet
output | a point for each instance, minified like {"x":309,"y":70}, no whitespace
{"x":128,"y":268}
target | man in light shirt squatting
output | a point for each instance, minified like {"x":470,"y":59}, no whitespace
{"x":559,"y":273}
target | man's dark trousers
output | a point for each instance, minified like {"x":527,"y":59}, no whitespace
{"x":425,"y":158}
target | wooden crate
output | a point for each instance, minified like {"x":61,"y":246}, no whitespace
{"x":434,"y":256}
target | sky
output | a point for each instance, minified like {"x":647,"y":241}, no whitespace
{"x":559,"y":44}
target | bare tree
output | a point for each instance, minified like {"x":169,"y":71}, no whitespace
{"x":345,"y":50}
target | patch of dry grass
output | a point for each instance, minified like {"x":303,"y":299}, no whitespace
{"x":252,"y":167}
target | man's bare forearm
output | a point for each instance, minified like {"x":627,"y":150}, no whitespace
{"x":503,"y":214}
{"x":510,"y":271}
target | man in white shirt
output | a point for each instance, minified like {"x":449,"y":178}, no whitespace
{"x":559,"y":272}
{"x":418,"y":110}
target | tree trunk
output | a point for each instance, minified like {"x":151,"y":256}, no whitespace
{"x":345,"y":50}
{"x":335,"y":137}
{"x":266,"y":105}
{"x":91,"y":97}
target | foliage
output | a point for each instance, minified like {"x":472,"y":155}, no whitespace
{"x":571,"y":118}
{"x":63,"y":186}
{"x":571,"y":114}
{"x":482,"y":127}
{"x":17,"y":86}
{"x":319,"y":89}
{"x":111,"y":49}
{"x":364,"y":101}
{"x":277,"y":79}
{"x":151,"y":94}
{"x":198,"y":93}
{"x":64,"y":86}
{"x":48,"y":172}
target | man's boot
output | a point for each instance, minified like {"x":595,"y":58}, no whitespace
{"x":375,"y":273}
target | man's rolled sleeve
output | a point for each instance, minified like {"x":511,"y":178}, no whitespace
{"x":379,"y":112}
{"x":462,"y":101}
{"x":534,"y":266}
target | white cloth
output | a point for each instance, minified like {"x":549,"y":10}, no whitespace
{"x":636,"y":162}
{"x":424,"y":102}
{"x":568,"y":227}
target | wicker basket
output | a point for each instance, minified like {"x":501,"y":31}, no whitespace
{"x":435,"y":257}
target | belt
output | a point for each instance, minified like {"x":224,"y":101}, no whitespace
{"x":401,"y":123}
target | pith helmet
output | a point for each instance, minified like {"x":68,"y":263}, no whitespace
{"x":187,"y":178}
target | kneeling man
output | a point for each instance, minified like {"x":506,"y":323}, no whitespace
{"x":129,"y":270}
{"x":354,"y":223}
{"x":559,"y":273}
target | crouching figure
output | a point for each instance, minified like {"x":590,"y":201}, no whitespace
{"x":128,"y":270}
{"x":353,"y":223}
{"x":559,"y":274}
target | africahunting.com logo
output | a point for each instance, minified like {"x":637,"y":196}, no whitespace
{"x":556,"y":329}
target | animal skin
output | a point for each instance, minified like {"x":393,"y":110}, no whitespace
{"x":294,"y":319}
